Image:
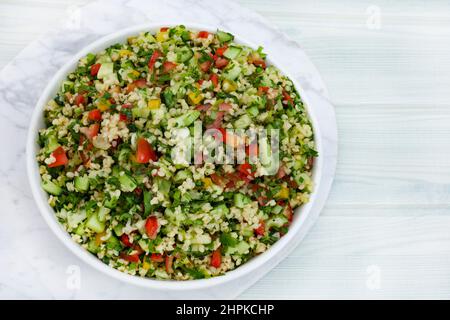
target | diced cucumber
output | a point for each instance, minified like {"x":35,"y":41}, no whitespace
{"x":232,"y":52}
{"x":141,"y":112}
{"x":233,"y":73}
{"x":243,"y":122}
{"x":118,"y":230}
{"x":188,"y":118}
{"x":242,"y":247}
{"x":184,"y":54}
{"x":241,"y":200}
{"x":93,"y":247}
{"x":75,"y":218}
{"x":163,"y":186}
{"x":276,"y":221}
{"x":182,"y":175}
{"x":113,"y":243}
{"x":51,"y":188}
{"x":277,"y":209}
{"x":253,"y":111}
{"x":220,"y":210}
{"x":105,"y":70}
{"x":51,"y":143}
{"x":102,"y":212}
{"x":67,"y":86}
{"x":81,"y":183}
{"x":144,"y":245}
{"x":127,"y":183}
{"x":94,"y":223}
{"x":224,"y":36}
{"x":112,"y":202}
{"x":147,"y":204}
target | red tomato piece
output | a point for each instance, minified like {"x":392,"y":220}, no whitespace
{"x":151,"y":227}
{"x":221,"y":62}
{"x":151,"y":62}
{"x":156,"y":257}
{"x":204,"y":66}
{"x":220,"y":51}
{"x":164,"y":29}
{"x":169,"y":66}
{"x":218,"y":180}
{"x":216,"y":258}
{"x":262,"y":90}
{"x":144,"y":151}
{"x":214,"y":79}
{"x":125,"y":239}
{"x":169,"y":263}
{"x":261,"y":230}
{"x":79,"y":99}
{"x":95,"y":68}
{"x":95,"y":115}
{"x":60,"y":158}
{"x":130,"y":257}
{"x":287,"y":97}
{"x":123,"y":117}
{"x":203,"y":34}
{"x":225,"y":107}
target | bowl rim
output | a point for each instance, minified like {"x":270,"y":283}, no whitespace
{"x":40,"y":196}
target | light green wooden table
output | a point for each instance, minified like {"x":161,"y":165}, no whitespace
{"x":385,"y":231}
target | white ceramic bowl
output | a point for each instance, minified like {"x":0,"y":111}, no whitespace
{"x":278,"y":251}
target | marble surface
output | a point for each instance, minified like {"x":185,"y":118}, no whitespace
{"x":34,"y":263}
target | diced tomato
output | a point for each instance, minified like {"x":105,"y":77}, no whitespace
{"x":221,"y":62}
{"x":245,"y":168}
{"x":225,"y":106}
{"x":169,"y":263}
{"x":288,"y":212}
{"x":130,"y":257}
{"x":223,"y":131}
{"x":151,"y":62}
{"x":79,"y":99}
{"x":200,"y":82}
{"x":164,"y":29}
{"x":92,"y":131}
{"x":287,"y":97}
{"x":169,"y":66}
{"x":262,"y":90}
{"x":203,"y":107}
{"x":140,"y":83}
{"x":203,"y":34}
{"x":156,"y":257}
{"x":127,"y":106}
{"x":123,"y":117}
{"x":216,"y":179}
{"x":144,"y":151}
{"x":95,"y":68}
{"x":95,"y":115}
{"x":220,"y":51}
{"x":216,"y":258}
{"x":60,"y":158}
{"x":261,"y":230}
{"x":125,"y":239}
{"x":260,"y":63}
{"x":214,"y":79}
{"x":204,"y":66}
{"x":262,"y":200}
{"x":151,"y":226}
{"x":281,"y":172}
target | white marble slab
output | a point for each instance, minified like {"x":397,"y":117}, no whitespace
{"x":34,"y":264}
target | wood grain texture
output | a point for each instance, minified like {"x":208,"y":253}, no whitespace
{"x":388,"y":216}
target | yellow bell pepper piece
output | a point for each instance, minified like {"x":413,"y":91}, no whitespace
{"x":146,"y":265}
{"x":154,"y":104}
{"x":207,"y":182}
{"x":283,"y":193}
{"x":162,"y":36}
{"x":134,"y":74}
{"x":125,"y":53}
{"x":98,"y":238}
{"x":195,"y":98}
{"x":103,"y":105}
{"x":229,"y":86}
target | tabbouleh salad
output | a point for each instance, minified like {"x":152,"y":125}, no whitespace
{"x":105,"y":160}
